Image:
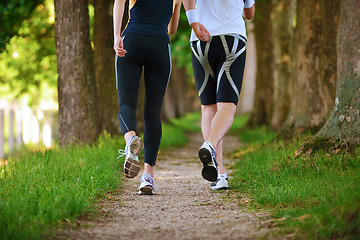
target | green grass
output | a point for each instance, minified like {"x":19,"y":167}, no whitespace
{"x":174,"y":133}
{"x":239,"y":123}
{"x":172,"y":137}
{"x":318,"y":196}
{"x":260,"y":135}
{"x":189,"y":123}
{"x":41,"y":189}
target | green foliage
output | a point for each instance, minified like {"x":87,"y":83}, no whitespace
{"x":172,"y":137}
{"x":189,"y":123}
{"x":239,"y":123}
{"x":12,"y":14}
{"x":28,"y":65}
{"x":321,"y":190}
{"x":259,"y":135}
{"x":45,"y":188}
{"x":174,"y":134}
{"x":180,"y":44}
{"x":338,"y":219}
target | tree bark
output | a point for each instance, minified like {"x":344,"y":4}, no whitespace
{"x":247,"y":95}
{"x":282,"y":18}
{"x":104,"y":56}
{"x":76,"y":81}
{"x":176,"y":100}
{"x":312,"y":87}
{"x":344,"y":123}
{"x":263,"y":103}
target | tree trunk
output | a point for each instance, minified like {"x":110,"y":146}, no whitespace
{"x":176,"y":101}
{"x":314,"y":64}
{"x":104,"y":56}
{"x":282,"y":18}
{"x":247,"y":95}
{"x":344,"y":123}
{"x":76,"y":81}
{"x":263,"y":105}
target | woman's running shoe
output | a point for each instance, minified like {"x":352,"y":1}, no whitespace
{"x":146,"y":185}
{"x":132,"y":152}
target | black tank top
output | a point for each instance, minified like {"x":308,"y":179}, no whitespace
{"x":150,"y":17}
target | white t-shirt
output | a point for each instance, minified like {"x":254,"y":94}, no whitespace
{"x":222,"y":16}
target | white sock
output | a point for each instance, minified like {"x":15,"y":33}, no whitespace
{"x":146,"y":175}
{"x":222,"y":175}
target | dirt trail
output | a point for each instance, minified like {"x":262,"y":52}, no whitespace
{"x":183,"y":208}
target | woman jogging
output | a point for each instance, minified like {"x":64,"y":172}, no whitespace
{"x":144,"y":44}
{"x":218,"y":66}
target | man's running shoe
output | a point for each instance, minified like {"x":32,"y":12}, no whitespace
{"x":146,"y":185}
{"x":132,"y":152}
{"x":222,"y":183}
{"x":207,"y":156}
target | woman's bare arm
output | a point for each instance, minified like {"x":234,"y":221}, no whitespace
{"x":118,"y":13}
{"x":174,"y":22}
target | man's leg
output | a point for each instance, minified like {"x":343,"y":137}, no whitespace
{"x":215,"y":126}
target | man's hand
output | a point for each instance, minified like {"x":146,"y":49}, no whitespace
{"x":118,"y":47}
{"x":200,"y":31}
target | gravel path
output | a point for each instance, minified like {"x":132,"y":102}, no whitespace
{"x":183,"y":208}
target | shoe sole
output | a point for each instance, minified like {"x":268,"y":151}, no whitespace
{"x":136,"y":146}
{"x":146,"y":190}
{"x":208,"y":172}
{"x":222,"y":188}
{"x":131,"y":168}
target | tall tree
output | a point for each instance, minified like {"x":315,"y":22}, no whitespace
{"x":175,"y":101}
{"x":247,"y":95}
{"x":282,"y":18}
{"x":344,"y":122}
{"x":181,"y":92}
{"x":104,"y":65}
{"x":312,"y":87}
{"x":263,"y":105}
{"x":76,"y":82}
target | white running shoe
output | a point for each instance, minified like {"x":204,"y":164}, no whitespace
{"x":146,"y":185}
{"x":132,"y":152}
{"x":207,"y":156}
{"x":222,"y":183}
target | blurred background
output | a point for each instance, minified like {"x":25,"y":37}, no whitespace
{"x":289,"y":83}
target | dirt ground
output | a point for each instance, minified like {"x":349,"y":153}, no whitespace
{"x":183,"y":208}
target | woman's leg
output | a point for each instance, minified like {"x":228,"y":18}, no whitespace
{"x":128,"y":73}
{"x":157,"y":73}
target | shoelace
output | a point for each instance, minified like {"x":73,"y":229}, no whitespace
{"x":152,"y":182}
{"x":122,"y":152}
{"x":156,"y":187}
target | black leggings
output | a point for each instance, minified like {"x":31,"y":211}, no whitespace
{"x":153,"y":54}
